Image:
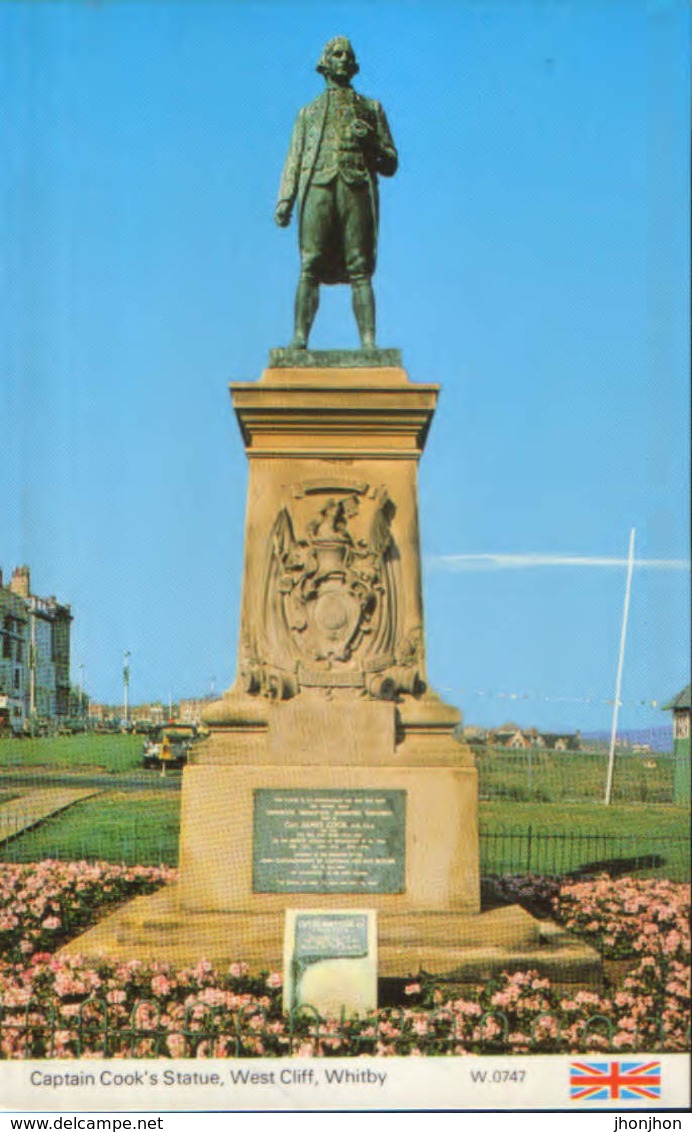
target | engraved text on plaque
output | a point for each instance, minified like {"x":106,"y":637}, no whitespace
{"x":329,"y":841}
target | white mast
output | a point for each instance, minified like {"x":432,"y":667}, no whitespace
{"x":618,"y":682}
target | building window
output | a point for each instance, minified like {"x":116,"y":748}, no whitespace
{"x":6,"y":648}
{"x":17,"y":677}
{"x":682,"y":726}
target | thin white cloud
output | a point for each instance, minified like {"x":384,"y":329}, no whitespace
{"x":457,"y":562}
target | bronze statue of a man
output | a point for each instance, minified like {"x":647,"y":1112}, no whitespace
{"x":340,"y":143}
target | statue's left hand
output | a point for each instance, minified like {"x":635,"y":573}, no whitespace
{"x":282,"y":215}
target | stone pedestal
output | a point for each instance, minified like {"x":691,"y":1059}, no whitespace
{"x":331,"y":702}
{"x":331,"y":776}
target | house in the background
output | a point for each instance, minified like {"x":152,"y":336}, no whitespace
{"x":191,"y":709}
{"x":14,"y":651}
{"x":560,"y":741}
{"x":48,"y":692}
{"x":34,"y":655}
{"x":512,"y":737}
{"x":681,"y":707}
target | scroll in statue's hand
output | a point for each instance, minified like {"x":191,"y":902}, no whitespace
{"x":361,"y":129}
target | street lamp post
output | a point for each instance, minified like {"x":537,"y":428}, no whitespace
{"x":81,"y":693}
{"x":126,"y":687}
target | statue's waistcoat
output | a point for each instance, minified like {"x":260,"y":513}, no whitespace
{"x":339,"y":153}
{"x":327,"y":147}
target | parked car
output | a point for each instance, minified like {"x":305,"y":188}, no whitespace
{"x":169,"y":746}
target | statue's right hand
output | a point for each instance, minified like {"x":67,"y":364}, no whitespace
{"x":282,"y":214}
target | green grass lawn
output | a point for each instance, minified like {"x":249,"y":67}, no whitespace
{"x":113,"y":753}
{"x":648,"y":840}
{"x":561,"y":776}
{"x":129,"y":828}
{"x":143,"y":828}
{"x":587,"y":817}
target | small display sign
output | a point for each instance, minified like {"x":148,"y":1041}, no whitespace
{"x":330,"y":961}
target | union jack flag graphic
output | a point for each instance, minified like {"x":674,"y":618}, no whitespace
{"x":615,"y":1080}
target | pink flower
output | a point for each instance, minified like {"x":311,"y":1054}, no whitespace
{"x":629,"y":916}
{"x":160,"y":986}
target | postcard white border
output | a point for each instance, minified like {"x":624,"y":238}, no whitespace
{"x":510,"y":1083}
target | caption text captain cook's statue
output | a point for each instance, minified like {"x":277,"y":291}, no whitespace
{"x":340,"y":143}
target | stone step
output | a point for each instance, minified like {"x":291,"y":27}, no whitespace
{"x":461,"y":948}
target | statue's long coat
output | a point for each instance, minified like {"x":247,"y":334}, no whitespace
{"x":302,"y":157}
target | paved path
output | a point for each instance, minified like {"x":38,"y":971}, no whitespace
{"x":130,"y":780}
{"x":34,"y":805}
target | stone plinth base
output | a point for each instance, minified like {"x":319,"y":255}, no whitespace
{"x":452,"y":946}
{"x":439,"y":837}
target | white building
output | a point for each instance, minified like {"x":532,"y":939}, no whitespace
{"x":14,"y":655}
{"x":34,"y":655}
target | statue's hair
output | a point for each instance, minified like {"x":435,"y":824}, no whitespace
{"x":322,"y":65}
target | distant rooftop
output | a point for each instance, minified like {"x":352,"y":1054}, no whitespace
{"x":682,"y":700}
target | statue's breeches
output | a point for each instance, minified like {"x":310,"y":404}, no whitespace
{"x":338,"y":233}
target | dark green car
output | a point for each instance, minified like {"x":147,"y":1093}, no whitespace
{"x":169,"y":746}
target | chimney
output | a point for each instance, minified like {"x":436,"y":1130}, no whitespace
{"x":20,"y":582}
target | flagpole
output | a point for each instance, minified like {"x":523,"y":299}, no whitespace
{"x":618,"y":682}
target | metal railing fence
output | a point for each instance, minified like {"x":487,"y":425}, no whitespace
{"x":41,"y":1031}
{"x":502,"y":851}
{"x":516,"y":851}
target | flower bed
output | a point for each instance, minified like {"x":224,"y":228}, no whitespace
{"x":44,"y":905}
{"x":628,"y":917}
{"x":622,"y":918}
{"x":54,"y":1006}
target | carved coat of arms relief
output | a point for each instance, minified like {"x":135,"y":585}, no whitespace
{"x":330,"y":610}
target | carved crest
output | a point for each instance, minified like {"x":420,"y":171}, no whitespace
{"x":330,"y":611}
{"x":331,"y":585}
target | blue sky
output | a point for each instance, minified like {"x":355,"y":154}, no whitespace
{"x":533,"y":260}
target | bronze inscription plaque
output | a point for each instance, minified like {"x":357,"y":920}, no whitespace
{"x":329,"y":841}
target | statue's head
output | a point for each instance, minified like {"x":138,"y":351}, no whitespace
{"x":338,"y":60}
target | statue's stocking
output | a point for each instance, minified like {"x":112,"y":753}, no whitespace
{"x":364,"y":310}
{"x":307,"y":301}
